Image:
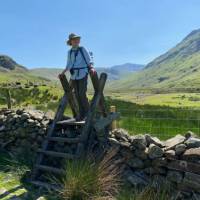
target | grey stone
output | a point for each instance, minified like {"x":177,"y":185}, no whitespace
{"x":121,"y":135}
{"x":138,"y":179}
{"x":175,"y":176}
{"x":170,"y":154}
{"x":172,"y":142}
{"x":152,"y":170}
{"x":25,"y":116}
{"x":196,"y":196}
{"x":41,"y":198}
{"x":139,"y":141}
{"x":114,"y":142}
{"x":125,"y":144}
{"x":142,"y":154}
{"x":193,"y":142}
{"x":191,"y":155}
{"x":2,"y":128}
{"x":155,"y":151}
{"x":126,"y":153}
{"x":153,"y":140}
{"x":159,"y":162}
{"x":191,"y":181}
{"x":180,"y":149}
{"x":135,"y":163}
{"x":36,"y":115}
{"x":189,"y":134}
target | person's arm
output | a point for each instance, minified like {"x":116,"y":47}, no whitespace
{"x":68,"y":65}
{"x":89,"y":60}
{"x":87,"y":57}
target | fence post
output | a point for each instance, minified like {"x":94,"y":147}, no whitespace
{"x":8,"y":95}
{"x":114,"y":122}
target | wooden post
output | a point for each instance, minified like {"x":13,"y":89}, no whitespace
{"x":8,"y":97}
{"x":95,"y":83}
{"x":91,"y":113}
{"x":71,"y":98}
{"x":114,"y":122}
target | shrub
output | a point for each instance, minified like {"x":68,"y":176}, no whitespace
{"x":87,"y":180}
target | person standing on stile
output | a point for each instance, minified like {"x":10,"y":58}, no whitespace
{"x":79,"y":64}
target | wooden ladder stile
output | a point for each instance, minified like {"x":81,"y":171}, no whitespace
{"x":84,"y":127}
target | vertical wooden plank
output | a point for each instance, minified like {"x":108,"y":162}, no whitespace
{"x":95,"y":83}
{"x":8,"y":97}
{"x":71,"y":98}
{"x":114,"y":122}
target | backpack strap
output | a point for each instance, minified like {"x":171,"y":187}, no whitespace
{"x":75,"y":55}
{"x":81,"y":51}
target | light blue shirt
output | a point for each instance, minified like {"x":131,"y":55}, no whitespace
{"x":79,"y":65}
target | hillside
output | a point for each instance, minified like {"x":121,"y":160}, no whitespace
{"x":114,"y":72}
{"x":8,"y":64}
{"x":119,"y":71}
{"x":48,"y":73}
{"x":11,"y":71}
{"x":179,"y":67}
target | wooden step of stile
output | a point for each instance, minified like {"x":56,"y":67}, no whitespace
{"x":64,"y":139}
{"x":48,"y":186}
{"x":50,"y":169}
{"x":70,"y":122}
{"x":57,"y":154}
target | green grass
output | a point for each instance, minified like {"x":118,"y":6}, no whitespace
{"x":148,"y":193}
{"x":14,"y":171}
{"x":161,"y":121}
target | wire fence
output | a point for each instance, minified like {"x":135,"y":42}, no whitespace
{"x":163,"y":123}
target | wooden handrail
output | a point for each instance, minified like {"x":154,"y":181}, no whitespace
{"x":71,"y":98}
{"x":95,"y":83}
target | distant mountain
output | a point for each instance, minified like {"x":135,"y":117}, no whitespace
{"x":11,"y":71}
{"x":7,"y":64}
{"x":179,"y":67}
{"x":114,"y":73}
{"x":118,"y":71}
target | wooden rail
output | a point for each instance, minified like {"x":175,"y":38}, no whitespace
{"x":71,"y":98}
{"x":95,"y":83}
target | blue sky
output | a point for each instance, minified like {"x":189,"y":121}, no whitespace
{"x":33,"y":32}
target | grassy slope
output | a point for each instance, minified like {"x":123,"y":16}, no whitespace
{"x":48,"y":73}
{"x":23,"y":77}
{"x":179,"y":67}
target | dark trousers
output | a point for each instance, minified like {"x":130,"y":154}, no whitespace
{"x":80,"y":90}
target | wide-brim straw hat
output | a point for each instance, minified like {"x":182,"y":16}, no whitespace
{"x":71,"y":37}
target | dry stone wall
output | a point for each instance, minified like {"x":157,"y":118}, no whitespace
{"x":174,"y":163}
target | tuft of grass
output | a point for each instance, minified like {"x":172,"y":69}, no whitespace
{"x":87,"y":180}
{"x":148,"y":193}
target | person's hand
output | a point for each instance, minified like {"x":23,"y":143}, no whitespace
{"x":92,"y":71}
{"x":60,"y":75}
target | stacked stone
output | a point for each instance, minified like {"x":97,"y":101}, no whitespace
{"x":21,"y":129}
{"x":146,"y":160}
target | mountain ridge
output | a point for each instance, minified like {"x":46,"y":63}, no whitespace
{"x":178,"y":67}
